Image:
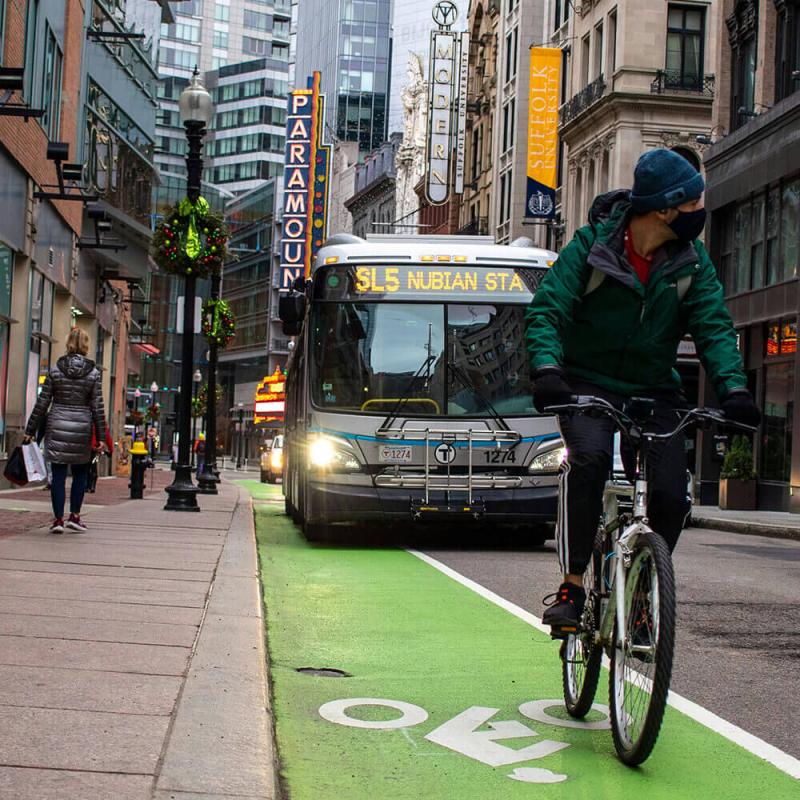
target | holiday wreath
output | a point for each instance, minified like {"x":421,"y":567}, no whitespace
{"x":219,"y":324}
{"x":190,"y":240}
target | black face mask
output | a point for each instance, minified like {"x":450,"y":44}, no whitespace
{"x":688,"y":225}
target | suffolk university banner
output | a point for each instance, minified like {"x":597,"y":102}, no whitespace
{"x":305,"y":182}
{"x":545,"y":66}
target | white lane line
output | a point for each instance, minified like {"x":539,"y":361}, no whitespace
{"x":758,"y":747}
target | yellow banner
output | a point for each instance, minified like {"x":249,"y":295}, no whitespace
{"x":543,"y":96}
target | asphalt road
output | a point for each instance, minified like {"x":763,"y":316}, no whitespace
{"x":738,"y":638}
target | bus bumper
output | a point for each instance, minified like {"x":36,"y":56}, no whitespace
{"x":337,"y":503}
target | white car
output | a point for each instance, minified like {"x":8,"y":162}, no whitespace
{"x":272,"y":461}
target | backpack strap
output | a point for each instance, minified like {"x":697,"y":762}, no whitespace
{"x":595,"y":279}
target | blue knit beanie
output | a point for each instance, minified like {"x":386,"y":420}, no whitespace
{"x":664,"y":179}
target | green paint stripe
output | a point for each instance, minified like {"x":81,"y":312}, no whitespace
{"x":406,"y":632}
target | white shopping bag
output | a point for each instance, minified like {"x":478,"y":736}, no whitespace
{"x":34,"y":462}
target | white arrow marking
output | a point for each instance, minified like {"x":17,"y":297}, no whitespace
{"x":536,"y":775}
{"x":460,"y":734}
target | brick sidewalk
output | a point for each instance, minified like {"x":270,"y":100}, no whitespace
{"x":132,"y":663}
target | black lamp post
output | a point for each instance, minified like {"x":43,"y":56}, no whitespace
{"x":196,"y":112}
{"x":209,"y":478}
{"x":196,"y":378}
{"x":241,"y":437}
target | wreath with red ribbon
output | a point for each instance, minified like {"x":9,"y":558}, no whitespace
{"x":219,"y":324}
{"x":190,"y":240}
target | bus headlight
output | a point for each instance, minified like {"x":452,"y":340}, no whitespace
{"x":332,"y":455}
{"x":549,"y":461}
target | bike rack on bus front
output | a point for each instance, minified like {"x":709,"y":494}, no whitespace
{"x":448,"y":482}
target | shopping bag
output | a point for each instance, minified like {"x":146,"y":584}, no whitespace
{"x":15,"y":471}
{"x":34,"y":462}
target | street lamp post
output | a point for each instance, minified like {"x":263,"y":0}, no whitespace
{"x":196,"y":378}
{"x":241,"y":437}
{"x":196,"y":112}
{"x":153,"y":402}
{"x":136,"y":395}
{"x":209,"y":477}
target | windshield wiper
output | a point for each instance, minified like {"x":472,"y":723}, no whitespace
{"x":459,"y":373}
{"x":404,"y":398}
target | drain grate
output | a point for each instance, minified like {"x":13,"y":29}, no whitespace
{"x":324,"y":672}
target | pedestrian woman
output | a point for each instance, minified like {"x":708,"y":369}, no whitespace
{"x":74,"y":388}
{"x":91,"y":481}
{"x":200,"y":452}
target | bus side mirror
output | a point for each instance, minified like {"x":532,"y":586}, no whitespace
{"x":292,"y":307}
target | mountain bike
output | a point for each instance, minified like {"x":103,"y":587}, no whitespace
{"x":630,"y":593}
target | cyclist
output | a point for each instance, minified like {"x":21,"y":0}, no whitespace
{"x":606,"y":321}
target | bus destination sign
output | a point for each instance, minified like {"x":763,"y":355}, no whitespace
{"x":428,"y":281}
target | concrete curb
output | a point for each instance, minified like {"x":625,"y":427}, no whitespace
{"x":749,"y":528}
{"x":222,"y":738}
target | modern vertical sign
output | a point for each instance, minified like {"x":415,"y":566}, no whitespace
{"x":445,"y":68}
{"x":545,"y":71}
{"x":305,"y":182}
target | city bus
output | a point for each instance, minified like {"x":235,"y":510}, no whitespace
{"x":408,"y":395}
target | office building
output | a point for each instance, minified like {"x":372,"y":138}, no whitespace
{"x":349,"y":42}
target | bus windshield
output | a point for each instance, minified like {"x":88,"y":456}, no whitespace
{"x":432,"y":359}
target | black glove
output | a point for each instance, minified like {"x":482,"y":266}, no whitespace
{"x":739,"y":406}
{"x":550,"y":388}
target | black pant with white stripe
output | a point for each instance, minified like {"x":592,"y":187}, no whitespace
{"x":590,"y":445}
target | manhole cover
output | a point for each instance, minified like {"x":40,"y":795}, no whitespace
{"x":324,"y":672}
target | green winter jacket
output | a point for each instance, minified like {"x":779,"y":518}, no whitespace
{"x":619,"y":334}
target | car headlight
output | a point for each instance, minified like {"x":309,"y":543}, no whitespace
{"x":276,"y":459}
{"x":332,"y":455}
{"x":549,"y":461}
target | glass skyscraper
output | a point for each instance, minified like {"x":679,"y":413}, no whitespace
{"x":350,"y":43}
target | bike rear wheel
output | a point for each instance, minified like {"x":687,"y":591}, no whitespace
{"x":581,"y":655}
{"x":641,"y":667}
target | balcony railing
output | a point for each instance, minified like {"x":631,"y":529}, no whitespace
{"x":475,"y":227}
{"x":673,"y":81}
{"x":583,"y":100}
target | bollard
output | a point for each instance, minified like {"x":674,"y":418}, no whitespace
{"x":139,"y":459}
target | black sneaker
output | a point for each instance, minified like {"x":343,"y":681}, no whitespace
{"x":565,"y":607}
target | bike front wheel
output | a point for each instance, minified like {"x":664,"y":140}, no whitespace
{"x":641,"y":664}
{"x":581,"y":653}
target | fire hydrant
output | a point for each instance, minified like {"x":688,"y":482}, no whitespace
{"x":140,"y":460}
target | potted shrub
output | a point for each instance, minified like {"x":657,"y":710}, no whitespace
{"x":737,"y":479}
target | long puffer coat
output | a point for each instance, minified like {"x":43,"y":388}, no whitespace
{"x":74,"y":387}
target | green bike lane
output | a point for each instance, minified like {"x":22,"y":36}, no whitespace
{"x":448,"y":695}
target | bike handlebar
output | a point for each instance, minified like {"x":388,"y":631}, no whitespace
{"x":582,"y":404}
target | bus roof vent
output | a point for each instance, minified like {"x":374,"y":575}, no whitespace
{"x":343,"y":238}
{"x":523,"y":241}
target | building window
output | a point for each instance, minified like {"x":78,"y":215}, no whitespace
{"x":598,"y":52}
{"x":585,"y":61}
{"x":254,"y":47}
{"x":742,"y":34}
{"x":511,"y":54}
{"x":2,"y":42}
{"x":508,"y":124}
{"x":787,"y":48}
{"x":222,"y":13}
{"x":611,"y":57}
{"x":685,"y":44}
{"x":790,"y":231}
{"x":778,"y":405}
{"x":6,"y":276}
{"x":221,"y":39}
{"x":51,"y":87}
{"x":31,"y":26}
{"x":280,"y":52}
{"x":256,"y":21}
{"x":557,"y":15}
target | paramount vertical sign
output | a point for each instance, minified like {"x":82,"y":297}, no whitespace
{"x":447,"y":106}
{"x":305,"y":182}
